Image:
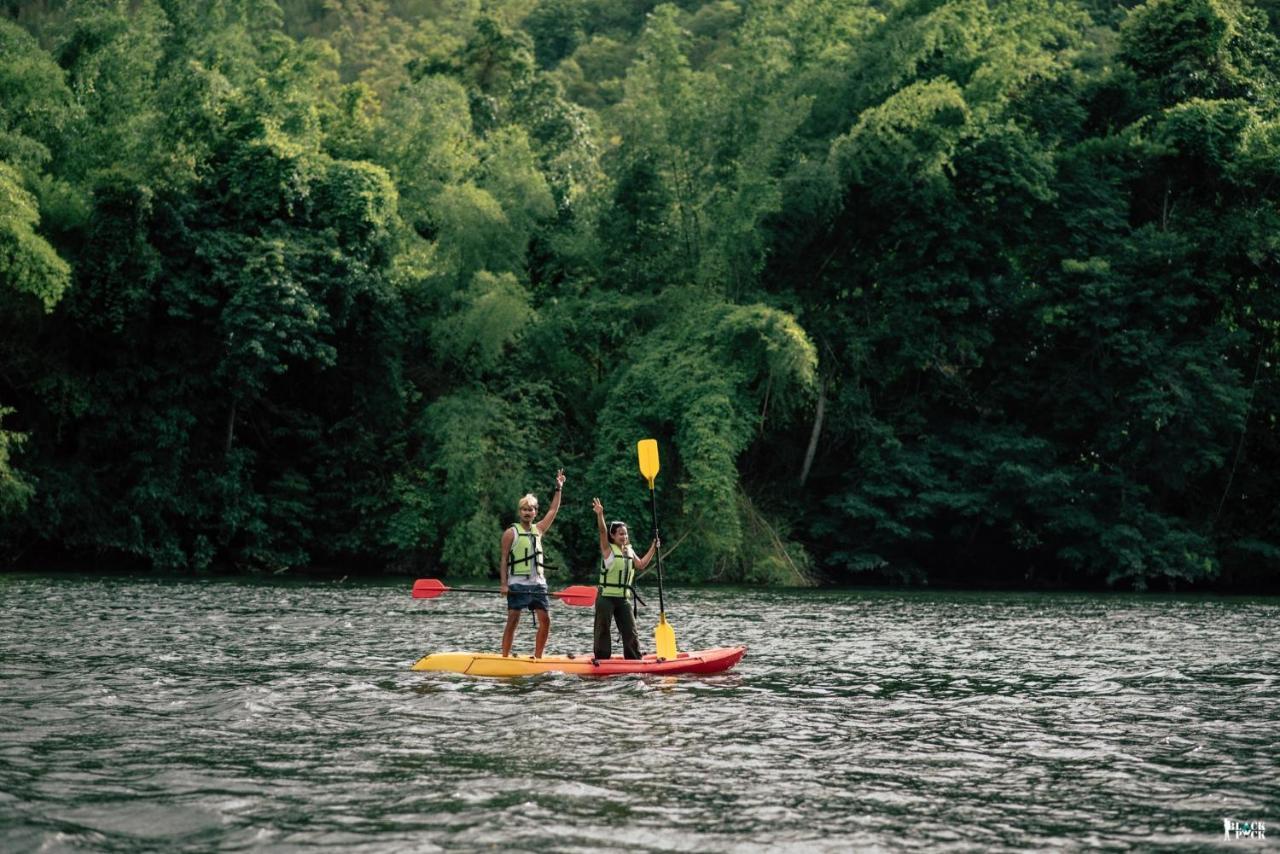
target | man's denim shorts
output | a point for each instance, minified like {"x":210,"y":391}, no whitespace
{"x":520,"y":596}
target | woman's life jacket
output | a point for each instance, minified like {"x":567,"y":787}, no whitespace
{"x":617,"y":578}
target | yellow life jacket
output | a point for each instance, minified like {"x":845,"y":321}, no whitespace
{"x":617,"y":579}
{"x":526,"y":553}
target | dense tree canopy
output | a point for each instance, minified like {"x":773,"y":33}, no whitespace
{"x":939,"y":291}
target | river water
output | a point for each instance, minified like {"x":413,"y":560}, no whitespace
{"x":145,"y":715}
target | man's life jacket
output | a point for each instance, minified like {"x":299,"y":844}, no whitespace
{"x":526,"y":554}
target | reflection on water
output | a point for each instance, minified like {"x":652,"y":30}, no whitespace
{"x":140,"y":715}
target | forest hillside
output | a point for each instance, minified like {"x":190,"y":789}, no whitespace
{"x":929,"y":291}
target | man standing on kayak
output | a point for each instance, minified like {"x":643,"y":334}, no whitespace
{"x":522,"y":564}
{"x":615,"y":602}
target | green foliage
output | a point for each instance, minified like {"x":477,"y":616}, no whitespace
{"x":769,"y":555}
{"x":705,"y":383}
{"x":111,"y":56}
{"x":912,"y":137}
{"x":269,"y":321}
{"x":1200,"y":48}
{"x":557,"y":27}
{"x":37,"y":105}
{"x":425,"y":142}
{"x":482,"y":454}
{"x":15,"y":491}
{"x":491,"y":316}
{"x":497,"y":62}
{"x":696,"y":174}
{"x":28,"y":264}
{"x":930,"y":291}
{"x":474,"y":233}
{"x":593,"y":75}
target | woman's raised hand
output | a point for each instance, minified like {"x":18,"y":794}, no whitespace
{"x":597,"y":506}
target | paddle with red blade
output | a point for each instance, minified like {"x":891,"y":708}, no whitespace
{"x":429,"y":588}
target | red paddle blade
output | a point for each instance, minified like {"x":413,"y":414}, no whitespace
{"x":579,"y":594}
{"x":428,"y":588}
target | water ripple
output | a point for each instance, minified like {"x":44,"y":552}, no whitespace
{"x":140,"y":715}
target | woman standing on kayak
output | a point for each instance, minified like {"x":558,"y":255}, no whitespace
{"x":522,"y":564}
{"x":618,"y":572}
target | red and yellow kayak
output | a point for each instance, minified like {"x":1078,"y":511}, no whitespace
{"x":715,"y":660}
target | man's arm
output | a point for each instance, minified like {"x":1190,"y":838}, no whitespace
{"x":545,"y":524}
{"x":507,"y":539}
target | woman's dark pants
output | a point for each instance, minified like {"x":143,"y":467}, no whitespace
{"x":609,"y":609}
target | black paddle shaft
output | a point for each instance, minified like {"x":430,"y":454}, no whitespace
{"x":653,"y":507}
{"x":477,"y":590}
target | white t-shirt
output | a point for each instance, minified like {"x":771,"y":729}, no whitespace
{"x":535,"y":577}
{"x":608,"y":561}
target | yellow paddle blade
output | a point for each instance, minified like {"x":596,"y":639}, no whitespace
{"x":664,"y":639}
{"x":648,"y":451}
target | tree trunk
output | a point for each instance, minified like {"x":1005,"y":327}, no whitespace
{"x":231,"y":428}
{"x":813,"y":437}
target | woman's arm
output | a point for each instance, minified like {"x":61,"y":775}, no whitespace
{"x":605,"y":551}
{"x":643,"y":562}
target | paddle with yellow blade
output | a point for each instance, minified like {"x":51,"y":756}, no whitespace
{"x":664,"y":637}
